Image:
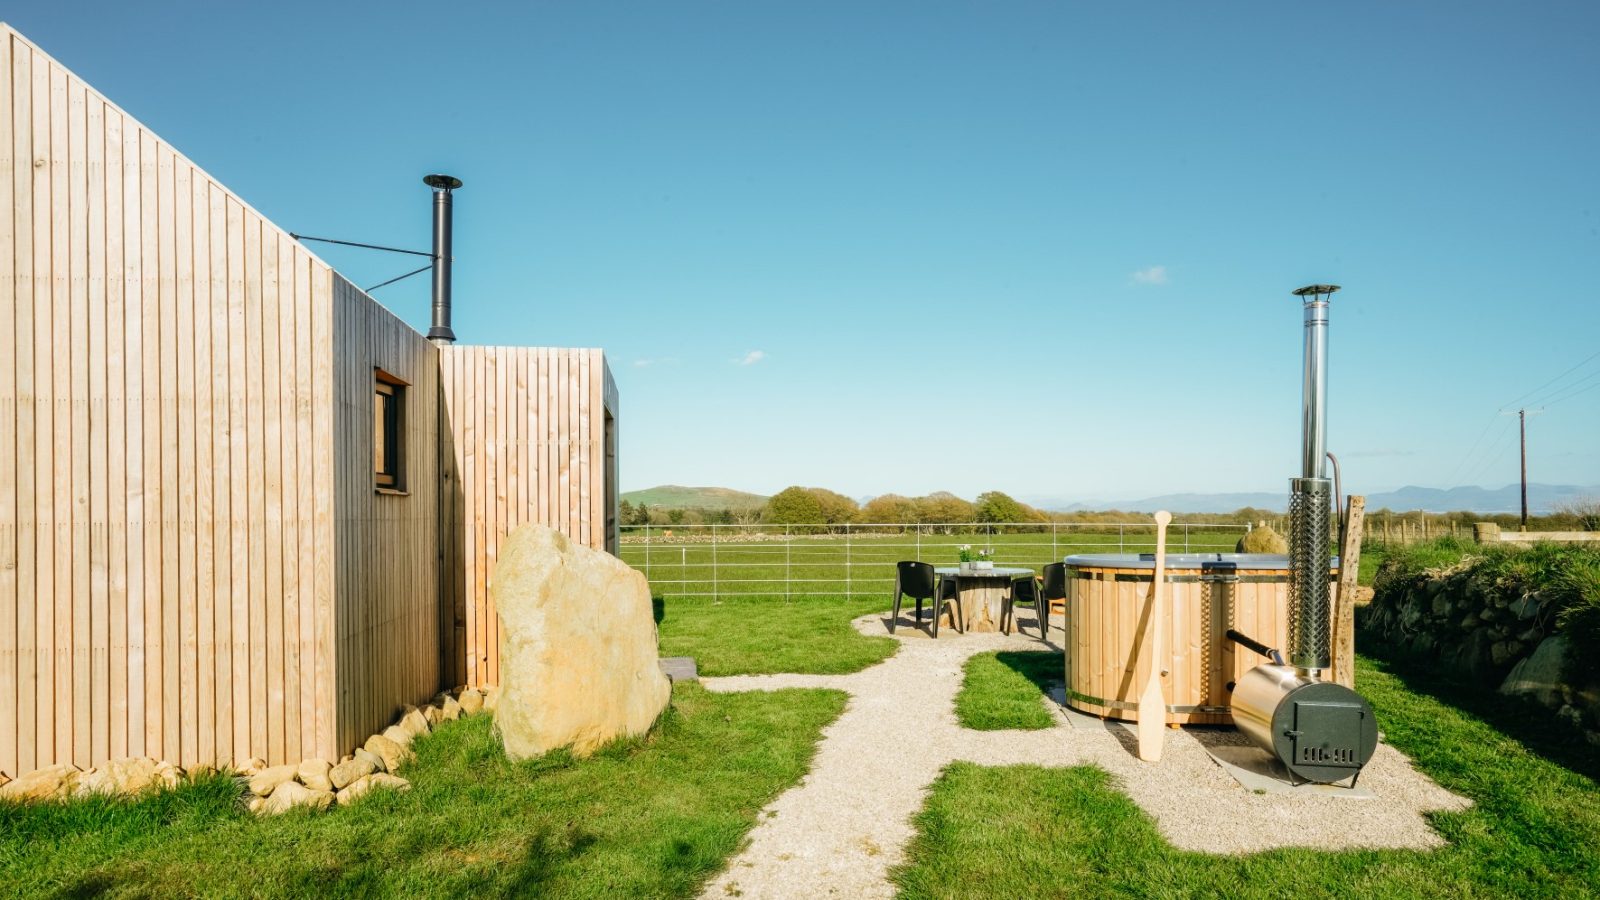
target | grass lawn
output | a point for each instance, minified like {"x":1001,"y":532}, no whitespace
{"x":748,"y":636}
{"x":1000,"y":690}
{"x":653,"y":817}
{"x":1026,"y":831}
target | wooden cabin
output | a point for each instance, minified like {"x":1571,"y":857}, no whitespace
{"x":245,"y":511}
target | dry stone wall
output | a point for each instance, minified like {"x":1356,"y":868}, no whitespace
{"x":1502,"y":637}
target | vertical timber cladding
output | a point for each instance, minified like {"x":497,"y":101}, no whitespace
{"x":166,"y":471}
{"x":387,"y":622}
{"x":523,"y":439}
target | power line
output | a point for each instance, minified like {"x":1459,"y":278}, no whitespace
{"x":1567,"y":390}
{"x":1461,"y":464}
{"x":1573,"y":394}
{"x":1553,"y":380}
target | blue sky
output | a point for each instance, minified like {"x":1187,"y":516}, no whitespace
{"x":1045,"y":248}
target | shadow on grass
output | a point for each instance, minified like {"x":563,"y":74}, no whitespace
{"x":1045,"y":668}
{"x":1534,"y":726}
{"x":658,"y":608}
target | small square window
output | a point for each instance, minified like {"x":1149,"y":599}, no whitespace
{"x":388,"y":432}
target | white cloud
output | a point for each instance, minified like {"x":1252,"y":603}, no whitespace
{"x":1152,"y":275}
{"x":751,"y":358}
{"x":647,"y":362}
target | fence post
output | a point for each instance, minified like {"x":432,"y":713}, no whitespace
{"x":788,"y":573}
{"x":715,"y":595}
{"x":1119,"y":538}
{"x":919,"y":543}
{"x":1186,"y":537}
{"x":1054,"y":553}
{"x":847,"y":562}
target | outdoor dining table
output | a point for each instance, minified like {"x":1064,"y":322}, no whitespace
{"x":983,"y":593}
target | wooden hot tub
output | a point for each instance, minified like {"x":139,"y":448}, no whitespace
{"x":1108,"y":598}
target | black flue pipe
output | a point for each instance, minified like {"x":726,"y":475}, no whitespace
{"x":1253,"y":644}
{"x":443,"y":185}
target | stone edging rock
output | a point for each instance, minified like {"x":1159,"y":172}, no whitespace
{"x":310,"y":783}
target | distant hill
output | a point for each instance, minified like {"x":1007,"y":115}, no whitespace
{"x":672,"y":496}
{"x":1542,"y":499}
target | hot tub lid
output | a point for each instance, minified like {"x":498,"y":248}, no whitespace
{"x":1219,"y":562}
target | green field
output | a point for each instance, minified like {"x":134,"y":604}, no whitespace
{"x":732,"y":562}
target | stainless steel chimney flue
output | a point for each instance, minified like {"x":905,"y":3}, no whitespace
{"x":1311,"y":499}
{"x":443,"y":224}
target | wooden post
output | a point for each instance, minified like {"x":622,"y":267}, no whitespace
{"x":1344,"y":606}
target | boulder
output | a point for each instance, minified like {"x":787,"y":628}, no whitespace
{"x":371,"y":758}
{"x":342,"y":775}
{"x":313,"y":774}
{"x":414,"y":721}
{"x":392,"y":754}
{"x":250,"y":766}
{"x":171,"y":774}
{"x":449,"y":709}
{"x":4,"y":779}
{"x":121,"y":776}
{"x":578,"y":660}
{"x":491,"y":698}
{"x":366,"y":783}
{"x":353,"y":791}
{"x":399,"y":735}
{"x":291,"y":794}
{"x":471,"y":701}
{"x":49,"y":783}
{"x":433,"y":714}
{"x":390,"y":782}
{"x":1539,"y":675}
{"x":1262,"y":539}
{"x":266,"y":781}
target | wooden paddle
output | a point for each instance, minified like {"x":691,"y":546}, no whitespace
{"x":1152,"y":705}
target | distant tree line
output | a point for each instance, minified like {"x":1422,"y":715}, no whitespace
{"x":815,"y":510}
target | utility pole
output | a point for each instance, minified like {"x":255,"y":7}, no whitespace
{"x":1522,"y":427}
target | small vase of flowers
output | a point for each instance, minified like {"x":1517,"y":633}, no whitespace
{"x":975,"y":560}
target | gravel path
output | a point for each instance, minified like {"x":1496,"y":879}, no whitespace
{"x":846,"y":824}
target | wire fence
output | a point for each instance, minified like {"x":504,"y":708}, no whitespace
{"x":728,"y":561}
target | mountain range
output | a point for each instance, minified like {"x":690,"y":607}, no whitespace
{"x":1542,"y":499}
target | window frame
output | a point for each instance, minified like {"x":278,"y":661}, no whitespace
{"x":388,"y":427}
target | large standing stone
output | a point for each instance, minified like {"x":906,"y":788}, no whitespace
{"x":578,"y":660}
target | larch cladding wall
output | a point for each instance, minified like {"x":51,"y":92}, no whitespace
{"x":387,"y":611}
{"x":523,"y":439}
{"x":166,"y":517}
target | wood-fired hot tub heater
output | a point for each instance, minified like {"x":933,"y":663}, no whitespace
{"x":1320,"y":730}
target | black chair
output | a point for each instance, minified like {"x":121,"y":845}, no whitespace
{"x":920,"y":582}
{"x":1041,"y":593}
